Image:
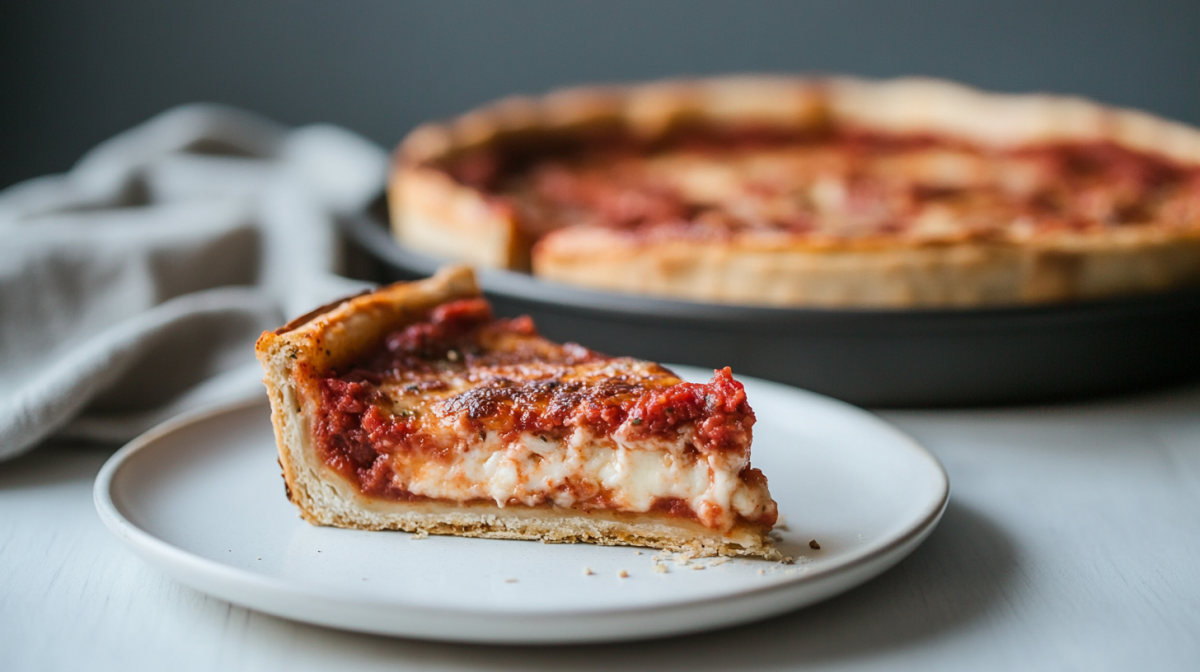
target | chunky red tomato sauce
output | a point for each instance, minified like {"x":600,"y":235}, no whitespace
{"x":607,"y":181}
{"x":550,"y":405}
{"x":462,"y":369}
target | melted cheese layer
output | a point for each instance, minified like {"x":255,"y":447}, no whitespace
{"x":585,"y":471}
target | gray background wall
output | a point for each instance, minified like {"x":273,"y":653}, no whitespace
{"x":73,"y":72}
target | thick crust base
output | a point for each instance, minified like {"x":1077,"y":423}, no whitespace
{"x":439,"y":216}
{"x":293,"y":358}
{"x":553,"y":526}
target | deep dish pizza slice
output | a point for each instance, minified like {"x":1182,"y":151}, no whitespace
{"x":413,"y":408}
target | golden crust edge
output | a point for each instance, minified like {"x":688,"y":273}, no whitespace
{"x":956,"y":275}
{"x":906,"y":104}
{"x":294,"y":354}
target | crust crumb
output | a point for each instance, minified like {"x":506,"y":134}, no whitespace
{"x":510,"y":580}
{"x":587,"y":571}
{"x":762,"y":572}
{"x":814,"y":545}
{"x":788,"y":560}
{"x":697,"y":566}
{"x":660,"y":568}
{"x":623,"y":574}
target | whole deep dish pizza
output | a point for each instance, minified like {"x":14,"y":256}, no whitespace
{"x":412,"y":408}
{"x":794,"y":192}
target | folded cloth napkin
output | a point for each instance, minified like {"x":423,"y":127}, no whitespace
{"x":133,"y":287}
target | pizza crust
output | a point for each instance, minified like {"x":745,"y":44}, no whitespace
{"x":960,"y":275}
{"x":433,"y":213}
{"x":293,"y":358}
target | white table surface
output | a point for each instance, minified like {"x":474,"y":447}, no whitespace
{"x":1072,"y":542}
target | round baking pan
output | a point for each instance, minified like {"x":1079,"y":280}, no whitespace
{"x":882,"y":358}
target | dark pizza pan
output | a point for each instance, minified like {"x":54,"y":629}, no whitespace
{"x":881,"y":358}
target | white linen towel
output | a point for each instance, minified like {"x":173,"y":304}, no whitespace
{"x":133,"y":287}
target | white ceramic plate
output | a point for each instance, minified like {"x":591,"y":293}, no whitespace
{"x":201,"y":499}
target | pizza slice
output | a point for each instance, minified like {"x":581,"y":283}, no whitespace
{"x":413,"y":408}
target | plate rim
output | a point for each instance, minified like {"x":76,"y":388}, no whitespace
{"x":173,"y":560}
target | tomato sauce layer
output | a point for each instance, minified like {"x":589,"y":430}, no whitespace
{"x":829,"y":182}
{"x":461,"y":379}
